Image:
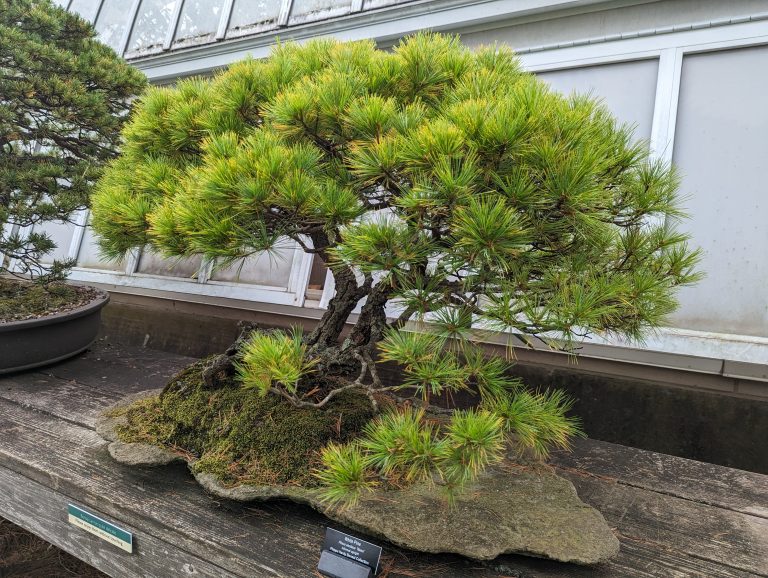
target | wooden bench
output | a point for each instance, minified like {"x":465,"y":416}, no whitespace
{"x":674,"y":517}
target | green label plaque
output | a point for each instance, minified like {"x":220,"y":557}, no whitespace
{"x":101,"y":528}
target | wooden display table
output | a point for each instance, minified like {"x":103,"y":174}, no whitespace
{"x":674,"y":517}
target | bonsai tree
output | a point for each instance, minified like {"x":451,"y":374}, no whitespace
{"x":63,"y":100}
{"x":442,"y":187}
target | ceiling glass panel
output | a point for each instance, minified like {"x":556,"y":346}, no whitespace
{"x":152,"y":24}
{"x":310,"y":10}
{"x":113,"y":22}
{"x":85,"y":8}
{"x":249,"y":16}
{"x":199,"y":21}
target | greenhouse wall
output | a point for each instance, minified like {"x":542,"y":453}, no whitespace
{"x":689,"y":75}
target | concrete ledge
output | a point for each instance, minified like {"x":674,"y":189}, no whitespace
{"x":210,"y":324}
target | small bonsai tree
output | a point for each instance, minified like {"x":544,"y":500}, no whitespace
{"x":63,"y":100}
{"x":441,"y":186}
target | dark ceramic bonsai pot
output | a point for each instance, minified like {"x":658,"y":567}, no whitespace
{"x":43,"y":340}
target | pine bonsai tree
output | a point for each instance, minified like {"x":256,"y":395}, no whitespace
{"x":63,"y":100}
{"x":441,"y":186}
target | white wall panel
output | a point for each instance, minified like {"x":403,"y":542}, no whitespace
{"x":627,"y":88}
{"x":721,"y":149}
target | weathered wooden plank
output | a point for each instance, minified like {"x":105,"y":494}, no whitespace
{"x":69,"y":400}
{"x":44,"y":512}
{"x":61,"y":456}
{"x":727,"y":488}
{"x":636,"y":560}
{"x":725,"y":538}
{"x":119,"y":368}
{"x":266,"y":540}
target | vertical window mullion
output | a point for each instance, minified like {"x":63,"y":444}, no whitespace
{"x":285,"y":12}
{"x":226,"y":13}
{"x":134,"y":13}
{"x":173,"y":25}
{"x":98,"y":11}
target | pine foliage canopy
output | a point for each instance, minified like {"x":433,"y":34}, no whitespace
{"x":63,"y":101}
{"x":445,"y":184}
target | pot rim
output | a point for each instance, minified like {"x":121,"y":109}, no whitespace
{"x":101,"y":299}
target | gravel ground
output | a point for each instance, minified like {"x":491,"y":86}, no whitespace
{"x":24,"y":555}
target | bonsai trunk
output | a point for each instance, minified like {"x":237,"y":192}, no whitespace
{"x":333,"y":357}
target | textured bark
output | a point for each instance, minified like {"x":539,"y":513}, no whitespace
{"x":370,"y":325}
{"x":348,"y":294}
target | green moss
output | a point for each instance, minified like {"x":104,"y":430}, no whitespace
{"x":241,"y":437}
{"x":24,"y":300}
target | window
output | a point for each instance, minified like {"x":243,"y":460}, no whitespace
{"x":153,"y":264}
{"x":152,"y":24}
{"x":198,"y":22}
{"x":60,"y":233}
{"x":272,"y":269}
{"x":372,"y":4}
{"x":311,"y":10}
{"x":112,"y":23}
{"x":316,"y":283}
{"x":89,"y":257}
{"x":85,"y":8}
{"x":249,"y":16}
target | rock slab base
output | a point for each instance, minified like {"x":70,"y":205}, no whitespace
{"x":509,"y":510}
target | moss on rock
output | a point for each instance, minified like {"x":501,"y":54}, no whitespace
{"x":240,"y":437}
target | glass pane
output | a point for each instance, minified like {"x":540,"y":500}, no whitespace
{"x":89,"y":255}
{"x":199,"y":21}
{"x":85,"y":8}
{"x":152,"y":23}
{"x":113,"y":22}
{"x":62,"y":3}
{"x":627,"y":88}
{"x":61,"y":233}
{"x":272,"y":269}
{"x":310,"y":10}
{"x":250,"y":16}
{"x":720,"y":150}
{"x":153,"y":264}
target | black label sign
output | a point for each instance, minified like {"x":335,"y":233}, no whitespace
{"x":352,"y":548}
